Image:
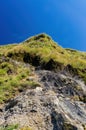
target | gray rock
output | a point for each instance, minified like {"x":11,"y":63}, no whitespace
{"x":50,"y":107}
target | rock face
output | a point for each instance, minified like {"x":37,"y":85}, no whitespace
{"x":57,"y":104}
{"x":42,"y":86}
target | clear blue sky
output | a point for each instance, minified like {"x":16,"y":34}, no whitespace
{"x":64,"y":20}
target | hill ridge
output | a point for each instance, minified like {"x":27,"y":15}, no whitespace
{"x":42,"y":86}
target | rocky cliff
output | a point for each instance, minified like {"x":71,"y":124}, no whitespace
{"x":42,"y":86}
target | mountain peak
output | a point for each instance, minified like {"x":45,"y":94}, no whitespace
{"x":39,"y":37}
{"x":52,"y":86}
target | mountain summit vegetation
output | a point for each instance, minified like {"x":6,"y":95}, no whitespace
{"x":41,"y":50}
{"x":32,"y":64}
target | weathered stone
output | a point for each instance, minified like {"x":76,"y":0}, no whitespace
{"x":52,"y":106}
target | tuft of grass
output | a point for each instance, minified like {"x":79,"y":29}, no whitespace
{"x":15,"y":127}
{"x":11,"y":127}
{"x":2,"y":72}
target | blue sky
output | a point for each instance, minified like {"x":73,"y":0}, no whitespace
{"x":64,"y":20}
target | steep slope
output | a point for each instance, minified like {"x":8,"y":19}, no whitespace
{"x":42,"y":86}
{"x":42,"y":51}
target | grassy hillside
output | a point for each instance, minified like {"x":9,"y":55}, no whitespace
{"x":38,"y":50}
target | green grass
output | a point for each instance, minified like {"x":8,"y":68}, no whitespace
{"x":15,"y":127}
{"x":37,"y":50}
{"x":11,"y":127}
{"x":42,"y":49}
{"x":12,"y":78}
{"x":47,"y":50}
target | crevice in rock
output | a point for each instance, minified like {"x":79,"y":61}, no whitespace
{"x":57,"y":121}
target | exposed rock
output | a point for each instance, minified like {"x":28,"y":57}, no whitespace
{"x":50,"y":107}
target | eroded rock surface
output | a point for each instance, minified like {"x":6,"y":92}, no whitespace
{"x":57,"y":104}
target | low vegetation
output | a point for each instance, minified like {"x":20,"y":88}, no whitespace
{"x":13,"y":78}
{"x":11,"y":127}
{"x":15,"y":127}
{"x":39,"y":50}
